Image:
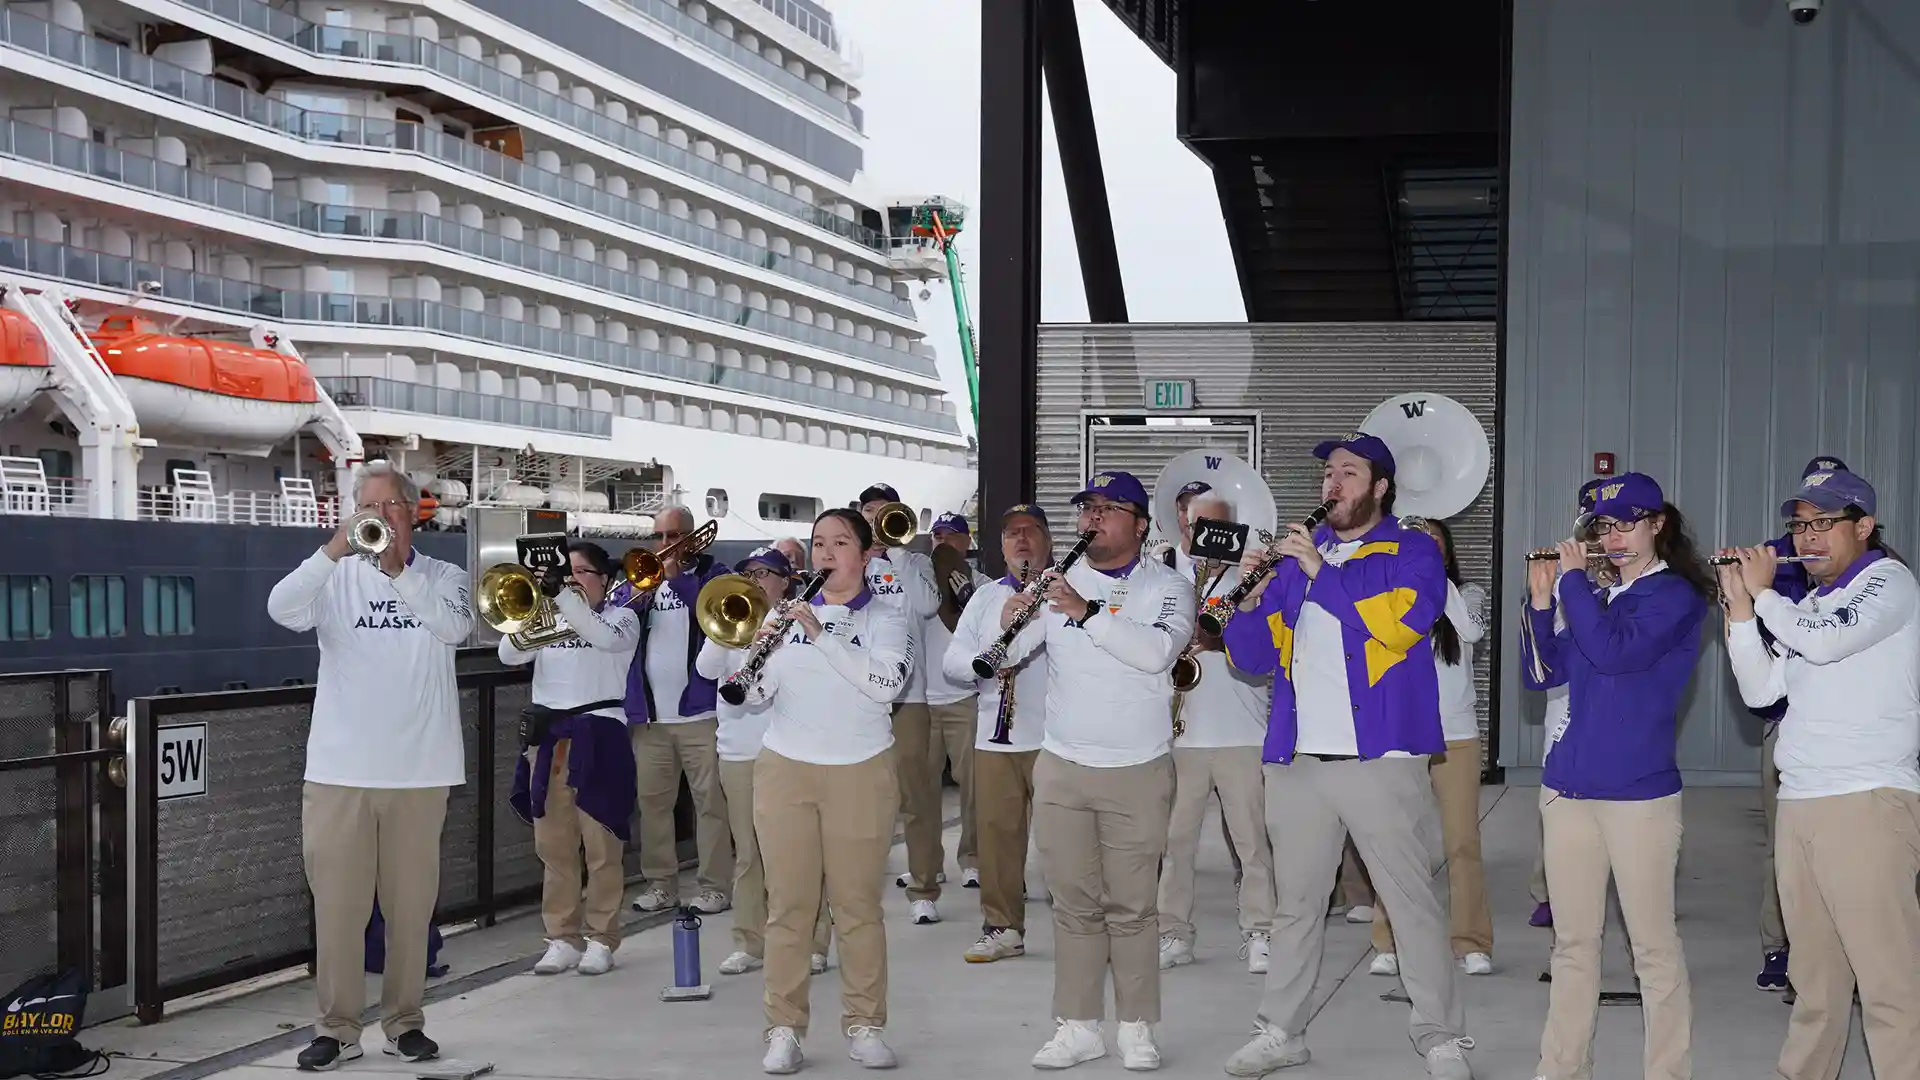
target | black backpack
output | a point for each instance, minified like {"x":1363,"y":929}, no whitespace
{"x":39,"y":1026}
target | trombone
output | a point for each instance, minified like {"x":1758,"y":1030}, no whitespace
{"x":646,"y":570}
{"x":895,"y":525}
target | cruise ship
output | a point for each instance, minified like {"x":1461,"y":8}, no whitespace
{"x":595,"y":256}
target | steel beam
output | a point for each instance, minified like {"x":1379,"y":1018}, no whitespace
{"x":1080,"y":167}
{"x":1009,"y":259}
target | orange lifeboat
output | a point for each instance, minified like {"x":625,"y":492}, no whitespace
{"x":201,"y":388}
{"x":23,"y":361}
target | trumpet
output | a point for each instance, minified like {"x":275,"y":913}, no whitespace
{"x":734,"y":690}
{"x":987,"y":664}
{"x":1730,"y":560}
{"x":894,"y":525}
{"x":1595,"y":553}
{"x":1214,"y":620}
{"x":369,"y":535}
{"x":645,"y":569}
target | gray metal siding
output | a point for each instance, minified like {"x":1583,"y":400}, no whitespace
{"x":1713,"y":273}
{"x":1307,"y":382}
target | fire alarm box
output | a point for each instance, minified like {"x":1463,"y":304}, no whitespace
{"x":1603,"y":464}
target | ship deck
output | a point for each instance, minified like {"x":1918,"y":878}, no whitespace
{"x":952,"y":1019}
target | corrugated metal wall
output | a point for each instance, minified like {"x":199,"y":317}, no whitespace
{"x":1713,"y":272}
{"x":1305,"y":382}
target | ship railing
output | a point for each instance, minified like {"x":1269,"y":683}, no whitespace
{"x":26,"y":489}
{"x":198,"y":505}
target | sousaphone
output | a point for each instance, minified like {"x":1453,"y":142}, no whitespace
{"x":1231,"y":479}
{"x":1441,"y":453}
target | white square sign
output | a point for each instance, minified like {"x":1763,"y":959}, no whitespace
{"x":183,"y":761}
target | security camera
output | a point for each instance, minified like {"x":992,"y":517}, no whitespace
{"x":1804,"y":11}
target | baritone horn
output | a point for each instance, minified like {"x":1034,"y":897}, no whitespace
{"x":645,"y":569}
{"x":510,"y":601}
{"x":730,"y":610}
{"x":895,"y":524}
{"x":369,"y":535}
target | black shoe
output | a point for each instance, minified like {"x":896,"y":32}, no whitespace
{"x":327,"y":1052}
{"x":413,"y":1046}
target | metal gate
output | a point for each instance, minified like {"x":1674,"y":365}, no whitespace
{"x":63,"y":834}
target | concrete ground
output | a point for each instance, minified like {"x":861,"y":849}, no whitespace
{"x":952,"y":1019}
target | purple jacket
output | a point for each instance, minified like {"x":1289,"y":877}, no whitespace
{"x":701,"y":693}
{"x":600,"y":770}
{"x":1387,"y":596}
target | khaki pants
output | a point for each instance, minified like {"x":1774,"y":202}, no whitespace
{"x":833,"y":822}
{"x":953,"y":730}
{"x":1101,"y":834}
{"x":1847,"y":865}
{"x":749,"y":875}
{"x":661,"y":752}
{"x":919,"y":797}
{"x":357,"y":842}
{"x":560,"y":835}
{"x":1773,"y":931}
{"x":1456,"y":786}
{"x":1637,"y":843}
{"x":1387,"y":805}
{"x":1235,"y":772}
{"x":1003,"y":808}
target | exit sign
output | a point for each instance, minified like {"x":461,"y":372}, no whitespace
{"x":1170,"y":394}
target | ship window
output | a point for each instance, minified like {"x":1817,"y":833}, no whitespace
{"x":167,"y":606}
{"x":26,"y":608}
{"x":97,"y":606}
{"x":775,"y":507}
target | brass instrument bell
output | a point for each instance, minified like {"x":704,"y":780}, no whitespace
{"x":645,"y":569}
{"x":510,"y":601}
{"x":730,"y":610}
{"x":368,"y":534}
{"x":895,"y":525}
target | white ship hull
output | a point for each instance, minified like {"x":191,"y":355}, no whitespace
{"x":18,"y":385}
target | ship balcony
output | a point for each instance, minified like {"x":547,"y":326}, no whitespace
{"x":392,"y":395}
{"x":476,"y":74}
{"x":66,"y":263}
{"x":26,"y":490}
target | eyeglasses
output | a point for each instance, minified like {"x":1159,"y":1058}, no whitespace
{"x":1092,"y":508}
{"x":761,"y":573}
{"x":383,"y":505}
{"x":1604,"y":526}
{"x":1819,"y":524}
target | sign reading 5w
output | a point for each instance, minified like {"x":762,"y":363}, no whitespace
{"x":183,"y":761}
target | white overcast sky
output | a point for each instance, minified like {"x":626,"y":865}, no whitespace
{"x":921,"y":94}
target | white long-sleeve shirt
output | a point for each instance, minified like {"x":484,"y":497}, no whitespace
{"x":591,"y":667}
{"x":386,"y":710}
{"x":1109,"y":691}
{"x":743,"y":727}
{"x":942,"y":689}
{"x":831,"y":700}
{"x":978,"y":628}
{"x":1459,"y":719}
{"x":1848,"y":662}
{"x":905,"y":579}
{"x":1229,"y":707}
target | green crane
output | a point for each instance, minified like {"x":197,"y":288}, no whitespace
{"x":934,"y":223}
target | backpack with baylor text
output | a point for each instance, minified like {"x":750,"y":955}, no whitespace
{"x":39,"y":1027}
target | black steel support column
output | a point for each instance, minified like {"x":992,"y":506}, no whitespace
{"x":1080,"y":166}
{"x":1009,"y":257}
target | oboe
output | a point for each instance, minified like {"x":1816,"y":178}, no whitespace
{"x":987,"y":664}
{"x":1214,"y":620}
{"x":734,"y":690}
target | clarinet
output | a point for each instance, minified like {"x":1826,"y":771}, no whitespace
{"x":734,"y":690}
{"x":1003,"y":720}
{"x":1214,"y":620}
{"x":987,"y":664}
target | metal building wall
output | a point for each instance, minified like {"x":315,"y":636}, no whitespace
{"x":1713,"y":273}
{"x":1307,"y":382}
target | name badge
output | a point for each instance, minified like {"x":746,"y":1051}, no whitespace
{"x":1116,"y":597}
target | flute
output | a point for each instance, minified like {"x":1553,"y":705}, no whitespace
{"x":1594,"y":552}
{"x":1729,"y":560}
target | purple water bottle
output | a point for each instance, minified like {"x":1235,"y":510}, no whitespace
{"x":686,"y":960}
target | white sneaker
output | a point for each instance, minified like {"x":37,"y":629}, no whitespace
{"x":817,"y":963}
{"x":1360,"y":913}
{"x":865,"y":1046}
{"x":559,"y":957}
{"x":783,"y":1051}
{"x":1076,"y":1041}
{"x":924,"y":912}
{"x":1477,"y":963}
{"x":654,"y":899}
{"x":1448,"y":1060}
{"x":906,"y":881}
{"x":739,"y":963}
{"x":711,"y":902}
{"x":1137,"y":1051}
{"x":1259,"y":952}
{"x":1270,"y":1049}
{"x":969,"y":878}
{"x":598,"y":961}
{"x":1174,"y":952}
{"x":1385,"y":964}
{"x":998,"y":945}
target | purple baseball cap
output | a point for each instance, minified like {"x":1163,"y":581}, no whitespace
{"x":1589,"y":492}
{"x":1117,"y":486}
{"x":950,"y":523}
{"x":769,"y":557}
{"x":1823,"y":464}
{"x":1831,"y":493}
{"x":1625,"y":497}
{"x":1030,"y":510}
{"x":1361,"y":443}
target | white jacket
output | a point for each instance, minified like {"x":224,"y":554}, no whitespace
{"x":978,"y":628}
{"x":905,"y":579}
{"x":830,"y":700}
{"x":386,"y":710}
{"x":591,"y":667}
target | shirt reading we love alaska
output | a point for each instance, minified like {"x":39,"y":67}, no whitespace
{"x":386,"y":708}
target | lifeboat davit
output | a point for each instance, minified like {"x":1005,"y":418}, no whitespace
{"x":202,"y":389}
{"x":23,"y":361}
